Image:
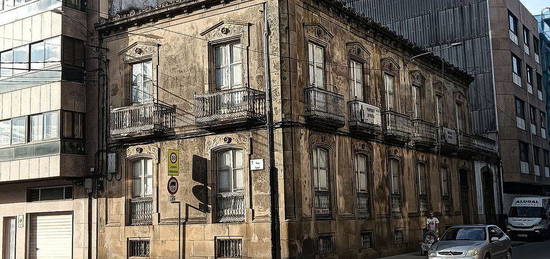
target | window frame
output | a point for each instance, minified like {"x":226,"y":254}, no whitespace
{"x":516,"y":65}
{"x":140,"y":98}
{"x":512,"y":23}
{"x":354,"y":83}
{"x":445,"y":183}
{"x":319,"y":190}
{"x":233,"y":46}
{"x":143,"y":177}
{"x":523,"y":152}
{"x":314,"y":65}
{"x":390,"y":96}
{"x":418,"y":101}
{"x":232,"y":171}
{"x":520,"y":110}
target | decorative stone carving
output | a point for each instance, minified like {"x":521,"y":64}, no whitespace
{"x":439,"y":88}
{"x":321,"y":139}
{"x":459,"y":96}
{"x":362,"y":147}
{"x":417,"y":78}
{"x":227,"y":29}
{"x":214,"y":142}
{"x":389,"y":65}
{"x":139,"y":51}
{"x":356,"y":49}
{"x":317,"y":31}
{"x":149,"y":151}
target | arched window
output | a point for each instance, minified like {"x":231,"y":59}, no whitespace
{"x":361,"y":167}
{"x":321,"y":181}
{"x":230,"y":186}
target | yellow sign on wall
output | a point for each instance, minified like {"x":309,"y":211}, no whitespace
{"x":173,"y":162}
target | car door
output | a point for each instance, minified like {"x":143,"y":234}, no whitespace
{"x":499,"y":247}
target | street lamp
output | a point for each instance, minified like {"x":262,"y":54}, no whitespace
{"x":454,"y":44}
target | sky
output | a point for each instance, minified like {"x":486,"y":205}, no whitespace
{"x":535,"y":6}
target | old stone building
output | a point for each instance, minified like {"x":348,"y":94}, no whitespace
{"x":370,"y":133}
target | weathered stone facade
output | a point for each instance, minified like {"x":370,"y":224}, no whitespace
{"x":181,"y":40}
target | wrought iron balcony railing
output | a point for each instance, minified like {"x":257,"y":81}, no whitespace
{"x":396,"y":204}
{"x":448,"y":139}
{"x":363,"y":208}
{"x":364,"y":118}
{"x":226,"y":108}
{"x":230,"y":207}
{"x":324,"y":108}
{"x":322,"y":203}
{"x":397,"y":126}
{"x":424,"y":133}
{"x":142,"y":120}
{"x":467,"y":142}
{"x":141,"y":211}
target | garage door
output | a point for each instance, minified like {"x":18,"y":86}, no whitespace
{"x":51,"y":236}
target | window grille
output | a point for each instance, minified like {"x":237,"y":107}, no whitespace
{"x":325,"y":244}
{"x":139,"y":248}
{"x":367,"y":240}
{"x":229,"y":248}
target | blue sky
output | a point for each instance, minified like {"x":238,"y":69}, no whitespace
{"x":535,"y":6}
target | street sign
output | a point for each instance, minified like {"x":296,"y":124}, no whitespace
{"x":173,"y":162}
{"x":256,"y":164}
{"x":172,"y":185}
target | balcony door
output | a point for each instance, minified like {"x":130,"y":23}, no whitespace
{"x":228,"y":72}
{"x":230,"y":186}
{"x":317,"y":78}
{"x":142,"y":82}
{"x":141,"y":205}
{"x":389,"y":87}
{"x":356,"y":80}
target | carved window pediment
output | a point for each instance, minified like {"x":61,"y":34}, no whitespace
{"x":459,"y":96}
{"x":389,"y":65}
{"x":356,"y":49}
{"x":417,"y":78}
{"x":318,"y":31}
{"x":226,"y":29}
{"x":439,"y":88}
{"x":139,"y":51}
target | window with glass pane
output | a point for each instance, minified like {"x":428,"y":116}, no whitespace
{"x":512,"y":23}
{"x":536,"y":154}
{"x":460,"y":121}
{"x":6,"y":59}
{"x":37,"y":127}
{"x":417,"y":101}
{"x":520,"y":108}
{"x":516,"y":65}
{"x":9,"y":237}
{"x":546,"y":157}
{"x":356,"y":78}
{"x":230,"y":171}
{"x":542,"y":120}
{"x":536,"y":45}
{"x":21,"y":59}
{"x":228,"y":65}
{"x":316,"y":64}
{"x":529,"y":75}
{"x":445,"y":182}
{"x":523,"y":152}
{"x":5,"y":132}
{"x":533,"y":115}
{"x":142,"y":82}
{"x":19,"y":130}
{"x":526,"y":36}
{"x":389,"y":86}
{"x":73,"y":52}
{"x":320,"y":169}
{"x":52,"y":50}
{"x":142,"y":178}
{"x":395,"y":177}
{"x":37,"y":55}
{"x":361,"y":172}
{"x":539,"y":82}
{"x":422,"y":179}
{"x":439,"y":107}
{"x":51,"y":125}
{"x":68,"y":123}
{"x":78,"y":125}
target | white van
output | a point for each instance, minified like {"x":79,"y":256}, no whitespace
{"x":529,"y":217}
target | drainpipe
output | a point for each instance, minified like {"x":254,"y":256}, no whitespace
{"x":273,"y":179}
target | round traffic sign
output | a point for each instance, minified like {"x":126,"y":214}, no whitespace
{"x":173,"y":158}
{"x":173,"y":185}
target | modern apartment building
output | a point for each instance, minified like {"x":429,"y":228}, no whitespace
{"x":367,"y":139}
{"x":497,"y":42}
{"x":544,"y":36}
{"x":47,"y":86}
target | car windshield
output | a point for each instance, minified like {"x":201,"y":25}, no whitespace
{"x":466,"y":233}
{"x":526,"y":212}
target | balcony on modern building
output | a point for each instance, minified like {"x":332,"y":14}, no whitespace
{"x":240,"y":107}
{"x":397,"y":126}
{"x":324,"y":108}
{"x":466,"y":144}
{"x":448,"y":140}
{"x":364,"y":119}
{"x":142,"y":120}
{"x":424,"y":134}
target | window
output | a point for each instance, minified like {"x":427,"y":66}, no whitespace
{"x":523,"y":152}
{"x":21,"y":59}
{"x":316,"y":55}
{"x":325,"y":244}
{"x":399,"y":236}
{"x":19,"y":130}
{"x":516,"y":65}
{"x":395,"y":176}
{"x":73,"y":52}
{"x":142,"y":75}
{"x":5,"y":132}
{"x":520,"y":113}
{"x":512,"y":23}
{"x":439,"y":107}
{"x":445,"y":183}
{"x":38,"y":55}
{"x":367,"y":240}
{"x":230,"y":171}
{"x":529,"y":75}
{"x":389,"y":87}
{"x":228,"y":64}
{"x":356,"y":78}
{"x":50,"y":193}
{"x":52,"y":50}
{"x":142,"y":178}
{"x":533,"y":116}
{"x":75,"y":4}
{"x":543,"y":124}
{"x":139,"y":248}
{"x":73,"y":124}
{"x":51,"y":125}
{"x":9,"y":237}
{"x":37,"y":127}
{"x":362,"y":185}
{"x":417,"y":101}
{"x":460,"y":120}
{"x":526,"y":36}
{"x":422,"y":188}
{"x":546,"y":157}
{"x":536,"y":45}
{"x":6,"y":59}
{"x":536,"y":153}
{"x":229,"y":247}
{"x":321,"y":181}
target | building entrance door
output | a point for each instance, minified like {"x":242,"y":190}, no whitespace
{"x":464,"y":196}
{"x":488,"y":196}
{"x":51,"y":236}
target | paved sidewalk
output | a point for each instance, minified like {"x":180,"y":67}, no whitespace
{"x":413,"y":255}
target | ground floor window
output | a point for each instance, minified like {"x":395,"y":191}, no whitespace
{"x":139,"y":248}
{"x":9,"y":237}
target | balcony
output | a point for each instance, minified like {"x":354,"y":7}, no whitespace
{"x":363,"y":206}
{"x":448,"y":140}
{"x":424,"y":134}
{"x":141,"y":211}
{"x":230,"y":108}
{"x":467,"y":144}
{"x":143,"y":120}
{"x":397,"y":126}
{"x":364,"y":118}
{"x":485,"y":145}
{"x":322,"y":203}
{"x":324,"y":108}
{"x":230,"y":207}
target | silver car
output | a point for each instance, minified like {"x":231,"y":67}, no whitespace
{"x":472,"y":242}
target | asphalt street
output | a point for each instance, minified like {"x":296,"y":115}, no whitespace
{"x":520,"y":250}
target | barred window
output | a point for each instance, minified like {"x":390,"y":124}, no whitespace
{"x":399,"y":236}
{"x":325,"y":244}
{"x":229,"y":248}
{"x":139,"y":248}
{"x":367,"y":240}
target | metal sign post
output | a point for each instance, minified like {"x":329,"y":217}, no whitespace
{"x":172,"y":186}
